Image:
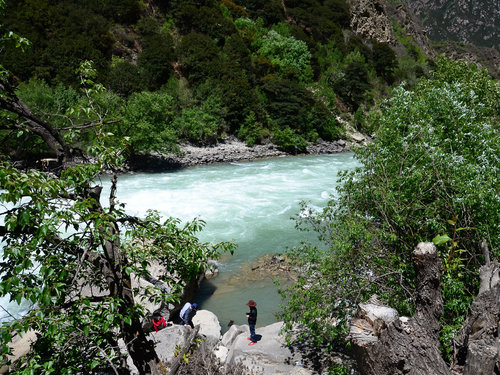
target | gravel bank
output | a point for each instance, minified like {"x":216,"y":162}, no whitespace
{"x":229,"y":151}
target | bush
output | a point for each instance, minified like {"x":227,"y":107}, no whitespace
{"x":148,"y":120}
{"x":62,"y":34}
{"x":125,"y":78}
{"x":198,"y":125}
{"x":384,"y":60}
{"x":353,"y":83}
{"x":431,"y":170}
{"x":252,"y":131}
{"x":199,"y":57}
{"x":289,"y":141}
{"x":155,"y":60}
{"x":288,"y":53}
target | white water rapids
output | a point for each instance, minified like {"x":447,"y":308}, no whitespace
{"x":250,"y":203}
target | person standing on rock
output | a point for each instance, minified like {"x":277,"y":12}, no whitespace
{"x":252,"y":320}
{"x":187,"y":313}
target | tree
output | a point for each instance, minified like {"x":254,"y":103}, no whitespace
{"x":288,"y":53}
{"x":156,"y":59}
{"x":199,"y":57}
{"x":354,"y":81}
{"x":385,"y":344}
{"x":384,"y":61}
{"x":147,"y":121}
{"x":430,"y":171}
{"x":78,"y":260}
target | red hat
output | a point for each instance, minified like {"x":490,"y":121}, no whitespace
{"x":251,"y":303}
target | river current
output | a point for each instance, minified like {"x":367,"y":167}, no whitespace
{"x":250,"y":203}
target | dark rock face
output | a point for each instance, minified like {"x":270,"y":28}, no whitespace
{"x":466,"y":21}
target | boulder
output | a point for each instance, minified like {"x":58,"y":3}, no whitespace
{"x":270,"y":355}
{"x":233,"y":332}
{"x":221,"y":353}
{"x":168,"y":340}
{"x":297,"y":370}
{"x":209,"y":325}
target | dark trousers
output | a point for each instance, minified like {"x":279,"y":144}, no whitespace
{"x":252,"y":332}
{"x":187,"y":323}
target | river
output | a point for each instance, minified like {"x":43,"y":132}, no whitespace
{"x":250,"y":203}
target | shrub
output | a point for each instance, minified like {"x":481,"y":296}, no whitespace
{"x":289,"y":141}
{"x":431,"y":170}
{"x":384,"y":60}
{"x":199,"y":57}
{"x":125,"y":78}
{"x":148,"y":120}
{"x":252,"y":131}
{"x":288,"y":53}
{"x":155,"y":60}
{"x":198,"y":125}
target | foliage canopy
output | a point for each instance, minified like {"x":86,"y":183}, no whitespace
{"x":431,"y":171}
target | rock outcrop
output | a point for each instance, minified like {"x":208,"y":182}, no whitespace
{"x":370,"y":21}
{"x":271,"y":355}
{"x":374,"y":19}
{"x":209,"y":325}
{"x":465,"y":21}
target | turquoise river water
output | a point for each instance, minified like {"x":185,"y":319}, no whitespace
{"x":250,"y":203}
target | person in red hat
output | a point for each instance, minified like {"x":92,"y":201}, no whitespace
{"x":252,"y":320}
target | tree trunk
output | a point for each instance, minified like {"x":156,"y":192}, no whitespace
{"x":141,"y":349}
{"x":11,"y":102}
{"x":477,"y":347}
{"x":385,"y":344}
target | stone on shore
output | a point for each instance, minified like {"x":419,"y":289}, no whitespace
{"x":168,"y":340}
{"x":271,"y":355}
{"x":209,"y":325}
{"x":229,"y":150}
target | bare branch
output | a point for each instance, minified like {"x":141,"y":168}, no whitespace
{"x":89,"y":125}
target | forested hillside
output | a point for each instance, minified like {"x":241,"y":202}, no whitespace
{"x":199,"y":71}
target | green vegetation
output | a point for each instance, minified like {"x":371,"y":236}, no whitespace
{"x":431,"y":173}
{"x":74,"y":260}
{"x":210,"y":65}
{"x":199,"y":71}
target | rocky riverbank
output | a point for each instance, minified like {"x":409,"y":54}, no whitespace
{"x":231,"y":150}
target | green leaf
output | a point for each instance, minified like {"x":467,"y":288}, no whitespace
{"x":439,"y":240}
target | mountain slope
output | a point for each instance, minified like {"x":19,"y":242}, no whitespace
{"x":465,"y":21}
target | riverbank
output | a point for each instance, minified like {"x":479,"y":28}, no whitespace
{"x":230,"y":150}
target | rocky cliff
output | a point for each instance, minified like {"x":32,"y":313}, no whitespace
{"x":375,"y":19}
{"x":465,"y":21}
{"x":459,"y":29}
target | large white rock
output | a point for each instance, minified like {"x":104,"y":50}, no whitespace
{"x":270,"y":355}
{"x":209,"y":325}
{"x":300,"y":371}
{"x":168,"y":340}
{"x":221,"y":352}
{"x":233,"y":332}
